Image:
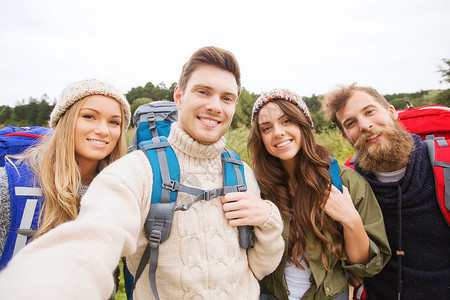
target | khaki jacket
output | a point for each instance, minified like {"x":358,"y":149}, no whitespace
{"x":329,"y":285}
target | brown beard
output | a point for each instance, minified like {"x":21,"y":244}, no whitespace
{"x":390,"y":154}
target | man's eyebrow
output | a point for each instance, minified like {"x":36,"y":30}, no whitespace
{"x":210,"y":88}
{"x":367,"y":106}
{"x":231,"y":94}
{"x":204,"y":86}
{"x":362,"y":109}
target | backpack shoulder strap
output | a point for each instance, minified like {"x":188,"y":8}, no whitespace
{"x":166,"y":170}
{"x":233,"y":169}
{"x":335,"y":174}
{"x":439,"y":153}
{"x":336,"y":180}
{"x":234,"y":176}
{"x":166,"y":185}
{"x":26,"y":201}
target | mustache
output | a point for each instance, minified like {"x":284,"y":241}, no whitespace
{"x":362,"y":139}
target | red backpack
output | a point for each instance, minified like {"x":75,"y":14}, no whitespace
{"x":432,"y":123}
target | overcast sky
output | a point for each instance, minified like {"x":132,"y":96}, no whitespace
{"x":306,"y":46}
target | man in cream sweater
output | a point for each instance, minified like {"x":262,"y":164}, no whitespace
{"x":202,"y":258}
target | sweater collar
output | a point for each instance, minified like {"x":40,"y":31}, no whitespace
{"x":184,"y":143}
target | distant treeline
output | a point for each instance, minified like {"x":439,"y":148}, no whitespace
{"x":37,"y":112}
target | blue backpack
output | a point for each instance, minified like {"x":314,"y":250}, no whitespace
{"x":26,"y":198}
{"x":153,"y":122}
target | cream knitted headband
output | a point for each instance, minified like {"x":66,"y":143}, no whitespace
{"x":81,"y":89}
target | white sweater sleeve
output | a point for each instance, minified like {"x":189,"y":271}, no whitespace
{"x":265,"y":256}
{"x":76,"y":259}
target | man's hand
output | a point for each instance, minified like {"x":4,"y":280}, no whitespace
{"x":245,"y":208}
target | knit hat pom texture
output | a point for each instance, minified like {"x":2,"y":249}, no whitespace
{"x":281,"y":94}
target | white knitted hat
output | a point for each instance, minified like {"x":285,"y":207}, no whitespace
{"x":81,"y":89}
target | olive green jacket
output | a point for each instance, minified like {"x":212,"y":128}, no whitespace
{"x":330,"y":284}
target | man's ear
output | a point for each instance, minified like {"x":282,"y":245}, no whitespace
{"x":394,"y":113}
{"x":177,"y":96}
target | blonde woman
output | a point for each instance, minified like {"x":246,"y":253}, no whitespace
{"x":88,"y":122}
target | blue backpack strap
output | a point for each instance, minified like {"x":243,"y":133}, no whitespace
{"x":336,"y":181}
{"x":233,"y":169}
{"x":234,"y":175}
{"x":335,"y":174}
{"x":439,"y":154}
{"x":166,"y":176}
{"x":26,"y":202}
{"x":159,"y":219}
{"x":234,"y":181}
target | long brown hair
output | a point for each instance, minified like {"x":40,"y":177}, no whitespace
{"x":305,"y":205}
{"x":57,"y":170}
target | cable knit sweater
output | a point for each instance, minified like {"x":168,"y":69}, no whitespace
{"x":201,"y":259}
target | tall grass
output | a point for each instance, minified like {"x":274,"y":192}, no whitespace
{"x":338,"y":146}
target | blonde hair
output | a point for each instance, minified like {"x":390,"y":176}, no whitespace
{"x":58,"y":173}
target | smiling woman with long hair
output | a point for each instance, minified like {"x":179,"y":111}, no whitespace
{"x":88,"y":121}
{"x":293,"y":172}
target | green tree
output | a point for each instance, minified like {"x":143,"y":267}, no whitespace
{"x":43,"y":111}
{"x":134,"y":93}
{"x":320,"y":122}
{"x":149,"y":90}
{"x":444,"y":97}
{"x":161,"y":92}
{"x":157,"y":93}
{"x":171,"y":90}
{"x":242,"y":116}
{"x":138,"y":102}
{"x":445,"y":70}
{"x":5,"y":114}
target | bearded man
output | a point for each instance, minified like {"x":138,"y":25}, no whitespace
{"x":396,"y":165}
